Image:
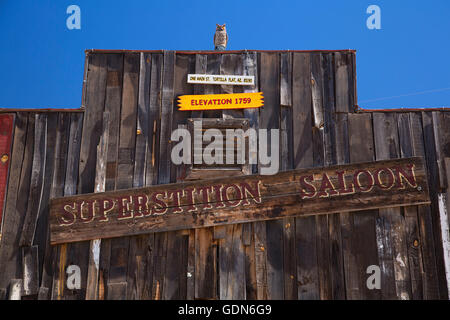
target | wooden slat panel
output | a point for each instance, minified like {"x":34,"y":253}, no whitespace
{"x":36,"y":185}
{"x":286,"y":151}
{"x":392,"y":222}
{"x":410,"y":136}
{"x":95,"y":102}
{"x":78,"y":254}
{"x":70,"y":186}
{"x":18,"y":189}
{"x":307,"y":276}
{"x":92,"y":287}
{"x":118,"y":268}
{"x":358,"y":230}
{"x":335,"y":222}
{"x":113,"y":105}
{"x":344,"y":80}
{"x":269,"y":118}
{"x":428,"y":216}
{"x":250,"y":63}
{"x":55,"y":190}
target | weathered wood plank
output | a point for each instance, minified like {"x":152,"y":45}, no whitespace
{"x":427,"y":217}
{"x":286,"y":79}
{"x":92,"y":126}
{"x":358,"y":230}
{"x":127,"y":139}
{"x":20,"y":158}
{"x":126,"y":156}
{"x":394,"y":250}
{"x":444,"y":205}
{"x":200,"y":68}
{"x":213,"y":67}
{"x":56,"y":190}
{"x":289,"y":253}
{"x":410,"y":136}
{"x":78,"y":254}
{"x":250,"y":68}
{"x":190,"y":272}
{"x":117,"y":291}
{"x":335,"y":225}
{"x":100,"y":182}
{"x":113,"y":106}
{"x":205,"y":265}
{"x":269,"y":118}
{"x":343,"y":78}
{"x":15,"y":289}
{"x":36,"y":184}
{"x":307,"y":276}
{"x":231,"y":64}
{"x":439,"y":142}
{"x":30,"y":264}
{"x":70,"y":187}
{"x":231,"y":265}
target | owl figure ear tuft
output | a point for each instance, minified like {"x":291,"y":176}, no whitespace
{"x":217,"y":25}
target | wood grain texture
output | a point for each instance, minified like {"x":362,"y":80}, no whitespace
{"x":359,"y":236}
{"x":12,"y":218}
{"x":394,"y":250}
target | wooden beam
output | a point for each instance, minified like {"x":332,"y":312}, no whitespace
{"x":239,"y":199}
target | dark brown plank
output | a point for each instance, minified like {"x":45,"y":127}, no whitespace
{"x":200,"y":68}
{"x":307,"y":276}
{"x":410,"y":136}
{"x":358,"y":230}
{"x":141,"y":146}
{"x":269,"y":118}
{"x":286,"y":150}
{"x":113,"y":106}
{"x":343,"y":78}
{"x":70,"y":187}
{"x":56,"y":190}
{"x":95,"y":102}
{"x":428,"y":215}
{"x":36,"y":184}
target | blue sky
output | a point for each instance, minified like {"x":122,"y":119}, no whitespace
{"x":405,"y":64}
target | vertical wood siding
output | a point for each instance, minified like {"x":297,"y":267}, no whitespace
{"x":309,"y":96}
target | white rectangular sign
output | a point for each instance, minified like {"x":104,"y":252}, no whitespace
{"x":221,"y":79}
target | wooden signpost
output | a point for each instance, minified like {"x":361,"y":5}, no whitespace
{"x":303,"y":192}
{"x":221,"y":101}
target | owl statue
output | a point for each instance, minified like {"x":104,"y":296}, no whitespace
{"x":220,"y":38}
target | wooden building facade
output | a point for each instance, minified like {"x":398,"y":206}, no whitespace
{"x":120,"y":139}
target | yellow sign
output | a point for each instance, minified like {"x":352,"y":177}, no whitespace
{"x":221,"y":101}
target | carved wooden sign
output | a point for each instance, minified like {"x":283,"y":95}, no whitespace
{"x":212,"y":202}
